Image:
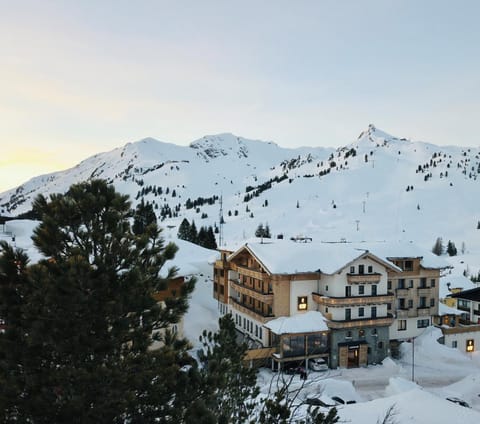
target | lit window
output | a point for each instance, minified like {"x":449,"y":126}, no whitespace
{"x":302,"y":304}
{"x":470,"y":345}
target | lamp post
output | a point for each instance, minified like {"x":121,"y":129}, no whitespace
{"x":413,"y":359}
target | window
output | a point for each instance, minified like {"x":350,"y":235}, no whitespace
{"x":352,"y":270}
{"x":348,"y":291}
{"x":410,"y":284}
{"x":380,"y":345}
{"x":374,"y":312}
{"x":374,"y":332}
{"x":374,"y":290}
{"x":389,"y":306}
{"x":361,"y":289}
{"x":401,"y":283}
{"x":410,"y":303}
{"x":432,"y":302}
{"x":408,"y":266}
{"x":401,"y":303}
{"x":361,"y":312}
{"x":423,"y":323}
{"x":302,"y":303}
{"x":402,"y":324}
{"x":348,"y":314}
{"x":361,"y":334}
{"x":326,"y":288}
{"x":348,"y":334}
{"x":454,"y":343}
{"x":389,"y":284}
{"x":470,"y":345}
{"x":422,"y":302}
{"x":326,"y":310}
{"x":260,"y":332}
{"x":361,"y":269}
{"x":432,"y":282}
{"x":256,"y":330}
{"x":222,"y":289}
{"x":423,"y":283}
{"x":215,"y":287}
{"x":370,"y":269}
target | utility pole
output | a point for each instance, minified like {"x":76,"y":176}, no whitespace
{"x":220,"y":232}
{"x":363,"y":206}
{"x":413,"y":359}
{"x":358,"y":222}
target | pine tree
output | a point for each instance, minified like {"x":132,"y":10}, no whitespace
{"x":184,"y":230}
{"x":144,"y":216}
{"x":451,"y":249}
{"x":192,"y":233}
{"x":210,"y":242}
{"x":88,"y":316}
{"x":438,"y":247}
{"x":260,"y":231}
{"x":230,"y":386}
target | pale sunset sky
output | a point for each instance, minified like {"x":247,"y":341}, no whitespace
{"x":83,"y":77}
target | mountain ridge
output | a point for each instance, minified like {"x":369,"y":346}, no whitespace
{"x":378,"y":186}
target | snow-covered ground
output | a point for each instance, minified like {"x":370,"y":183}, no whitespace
{"x":438,"y":371}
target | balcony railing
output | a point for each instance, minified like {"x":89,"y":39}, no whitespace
{"x":363,"y":278}
{"x":249,"y":291}
{"x":424,"y":291}
{"x":365,"y":322}
{"x":352,"y":301}
{"x":402,"y":291}
{"x":424,"y":311}
{"x":249,"y":272}
{"x":248,"y":310}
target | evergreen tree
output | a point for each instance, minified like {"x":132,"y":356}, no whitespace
{"x":210,"y":242}
{"x":184,"y":230}
{"x":438,"y":247}
{"x":229,"y":385}
{"x":259,"y":232}
{"x":80,"y":322}
{"x":451,"y":248}
{"x":144,"y":216}
{"x":202,"y":236}
{"x":192,"y":233}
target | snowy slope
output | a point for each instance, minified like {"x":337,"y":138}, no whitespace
{"x":378,"y":187}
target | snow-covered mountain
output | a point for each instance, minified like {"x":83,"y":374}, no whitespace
{"x":376,"y":188}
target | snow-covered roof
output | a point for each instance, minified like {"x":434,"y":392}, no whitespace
{"x":308,"y":322}
{"x":450,"y":282}
{"x":448,"y":310}
{"x":288,"y":257}
{"x":393,"y":250}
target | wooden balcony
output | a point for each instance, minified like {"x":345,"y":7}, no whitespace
{"x":249,"y":272}
{"x":406,"y":313}
{"x":220,"y":264}
{"x":424,"y":311}
{"x":352,"y":301}
{"x":424,"y":291}
{"x":366,"y":322}
{"x":255,"y":314}
{"x":363,"y":278}
{"x":243,"y":289}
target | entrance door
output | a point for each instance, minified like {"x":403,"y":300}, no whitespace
{"x":353,"y":356}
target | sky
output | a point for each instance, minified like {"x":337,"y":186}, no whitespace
{"x":79,"y":78}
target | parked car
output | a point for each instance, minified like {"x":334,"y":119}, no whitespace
{"x":318,"y":364}
{"x":459,"y":401}
{"x":294,"y":369}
